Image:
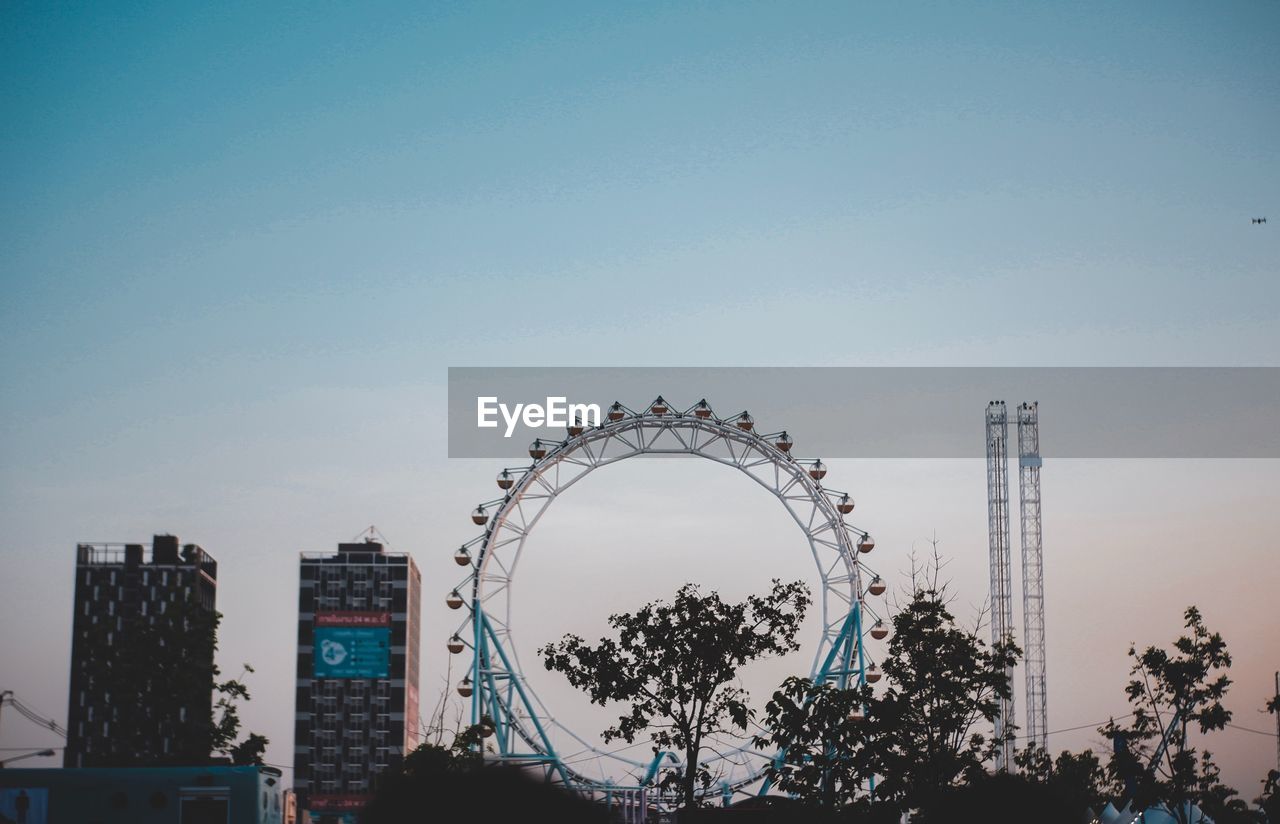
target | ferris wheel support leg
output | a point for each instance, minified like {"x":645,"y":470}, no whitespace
{"x":841,"y":651}
{"x":475,"y":663}
{"x":487,"y":644}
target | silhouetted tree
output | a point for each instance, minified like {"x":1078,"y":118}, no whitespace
{"x":1034,"y":763}
{"x":821,"y":734}
{"x":1269,"y":801}
{"x":1217,"y":800}
{"x":1081,"y":780}
{"x":943,"y":682}
{"x":674,"y":663}
{"x":997,"y":799}
{"x":1171,"y":692}
{"x":453,"y":783}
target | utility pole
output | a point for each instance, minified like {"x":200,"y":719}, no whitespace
{"x":1277,"y":706}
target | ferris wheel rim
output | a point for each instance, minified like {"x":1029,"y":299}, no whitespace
{"x":531,"y":483}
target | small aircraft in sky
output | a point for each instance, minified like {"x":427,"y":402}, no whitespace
{"x":1258,"y":220}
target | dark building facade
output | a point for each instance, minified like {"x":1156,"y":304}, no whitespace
{"x":132,"y":701}
{"x":357,"y":687}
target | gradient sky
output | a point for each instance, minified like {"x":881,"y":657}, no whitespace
{"x":240,"y":245}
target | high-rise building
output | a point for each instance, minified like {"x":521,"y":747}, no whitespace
{"x":125,"y":707}
{"x":357,"y":696}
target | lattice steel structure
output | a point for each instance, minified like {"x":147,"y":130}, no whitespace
{"x":1001,"y":577}
{"x":521,"y":728}
{"x":1033,"y":636}
{"x":1032,"y":576}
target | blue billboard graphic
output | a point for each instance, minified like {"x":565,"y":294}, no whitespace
{"x":352,"y":652}
{"x":24,"y":806}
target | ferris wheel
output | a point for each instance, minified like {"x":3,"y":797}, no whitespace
{"x":524,"y":731}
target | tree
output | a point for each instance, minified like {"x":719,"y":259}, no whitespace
{"x":1216,"y":800}
{"x":1171,"y":692}
{"x":675,"y":663}
{"x":160,"y":678}
{"x":1076,"y":782}
{"x":1269,"y":801}
{"x":821,"y":735}
{"x":453,"y":783}
{"x":1080,"y":780}
{"x":942,"y":681}
{"x":1034,"y":763}
{"x":226,"y":723}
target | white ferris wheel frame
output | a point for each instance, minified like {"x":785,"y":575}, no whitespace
{"x":557,"y":466}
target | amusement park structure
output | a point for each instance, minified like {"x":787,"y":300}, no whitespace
{"x":518,"y":727}
{"x":1033,"y":641}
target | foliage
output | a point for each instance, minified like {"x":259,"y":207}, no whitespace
{"x":1171,"y":692}
{"x":675,"y":664}
{"x":160,"y":679}
{"x":821,"y":732}
{"x":1034,"y":763}
{"x":1269,"y":801}
{"x":226,"y":724}
{"x":1217,"y":800}
{"x":943,"y":682}
{"x":446,"y":783}
{"x":462,"y":756}
{"x":996,"y":799}
{"x":1081,"y":780}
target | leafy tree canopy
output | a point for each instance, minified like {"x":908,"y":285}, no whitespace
{"x":821,"y":734}
{"x":944,"y":686}
{"x":675,"y":665}
{"x":1170,"y":693}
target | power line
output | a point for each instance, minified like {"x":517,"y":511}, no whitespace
{"x":1081,"y":727}
{"x":1255,"y":732}
{"x":31,"y":715}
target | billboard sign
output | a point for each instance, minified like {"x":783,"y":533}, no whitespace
{"x":336,"y":809}
{"x":353,"y":619}
{"x":352,"y":645}
{"x":21,"y":805}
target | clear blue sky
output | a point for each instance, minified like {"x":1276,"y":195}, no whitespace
{"x":240,"y":244}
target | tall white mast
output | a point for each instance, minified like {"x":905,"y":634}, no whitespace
{"x":1001,"y":578}
{"x":1032,"y":576}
